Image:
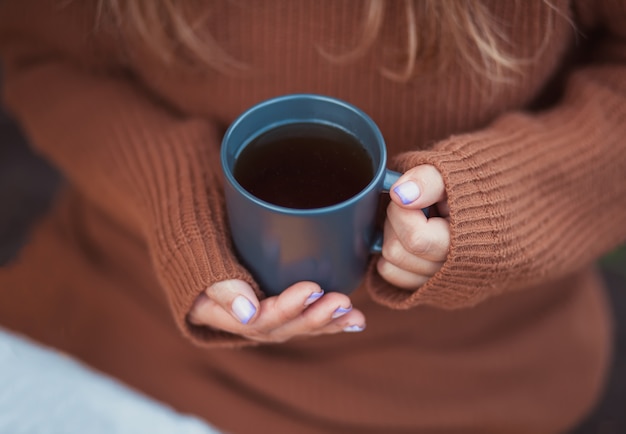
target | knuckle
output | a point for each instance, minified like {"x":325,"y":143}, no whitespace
{"x":385,"y":269}
{"x":281,"y":311}
{"x":418,"y":243}
{"x":314,"y":319}
{"x":393,"y":250}
{"x":440,"y":244}
{"x":282,"y":314}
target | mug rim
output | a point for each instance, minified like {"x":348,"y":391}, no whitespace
{"x":376,"y":179}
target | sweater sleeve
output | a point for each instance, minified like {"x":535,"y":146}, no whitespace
{"x":150,"y":168}
{"x":534,"y":196}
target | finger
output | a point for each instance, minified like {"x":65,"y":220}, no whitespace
{"x":235,"y":297}
{"x":395,"y":253}
{"x":399,"y":277}
{"x":353,"y":322}
{"x":331,"y":314}
{"x":272,"y":312}
{"x":288,"y":305}
{"x":419,"y":187}
{"x":207,"y":312}
{"x":426,"y":238}
{"x":281,"y":317}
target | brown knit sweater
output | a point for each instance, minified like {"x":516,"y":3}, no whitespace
{"x":512,"y":335}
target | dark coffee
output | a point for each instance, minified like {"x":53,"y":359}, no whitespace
{"x":304,"y":166}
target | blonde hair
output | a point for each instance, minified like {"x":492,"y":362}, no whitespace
{"x":447,"y":28}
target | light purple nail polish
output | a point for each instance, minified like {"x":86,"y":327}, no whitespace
{"x":313,"y":298}
{"x":341,"y":311}
{"x":243,"y":309}
{"x":354,"y":328}
{"x":407,"y":192}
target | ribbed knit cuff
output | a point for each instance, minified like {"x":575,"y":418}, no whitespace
{"x":190,"y":241}
{"x":470,"y":262}
{"x":186,"y":283}
{"x":531,"y":198}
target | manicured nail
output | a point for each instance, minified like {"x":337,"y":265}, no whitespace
{"x":354,"y":329}
{"x":313,"y":298}
{"x":243,"y":309}
{"x":407,"y":192}
{"x":341,"y":311}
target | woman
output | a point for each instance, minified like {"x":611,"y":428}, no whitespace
{"x":507,"y":117}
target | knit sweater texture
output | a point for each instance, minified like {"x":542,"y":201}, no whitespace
{"x":512,"y":335}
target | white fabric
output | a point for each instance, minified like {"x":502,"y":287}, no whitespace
{"x":45,"y":392}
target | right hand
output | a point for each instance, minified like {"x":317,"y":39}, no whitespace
{"x":301,"y":310}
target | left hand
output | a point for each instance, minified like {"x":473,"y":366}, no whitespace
{"x":414,"y":246}
{"x":302,"y":310}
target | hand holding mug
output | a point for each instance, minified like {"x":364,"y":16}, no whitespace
{"x":414,"y":246}
{"x":304,"y":174}
{"x":302,"y":310}
{"x":413,"y":250}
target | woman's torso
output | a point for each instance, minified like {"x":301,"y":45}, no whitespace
{"x":502,"y":366}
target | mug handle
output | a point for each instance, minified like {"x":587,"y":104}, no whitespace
{"x":390,"y":178}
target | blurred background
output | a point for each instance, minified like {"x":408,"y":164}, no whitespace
{"x":27,"y":186}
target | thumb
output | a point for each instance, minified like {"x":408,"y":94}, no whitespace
{"x":419,"y":187}
{"x":234,"y":296}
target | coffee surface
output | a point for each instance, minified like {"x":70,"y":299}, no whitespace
{"x":304,"y":166}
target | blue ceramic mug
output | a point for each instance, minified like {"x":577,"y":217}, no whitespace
{"x":330,"y":245}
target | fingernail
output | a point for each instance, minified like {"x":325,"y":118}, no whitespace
{"x":243,"y":309}
{"x":407,"y":192}
{"x":354,"y":329}
{"x":341,"y":311}
{"x":313,"y":298}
